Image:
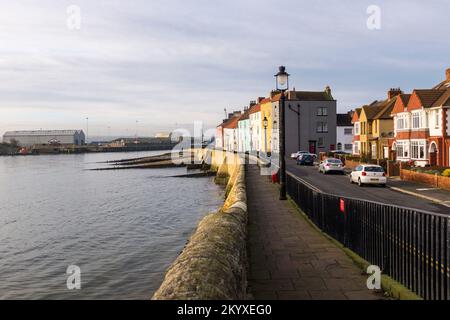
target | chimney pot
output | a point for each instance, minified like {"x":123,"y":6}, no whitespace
{"x":393,"y":92}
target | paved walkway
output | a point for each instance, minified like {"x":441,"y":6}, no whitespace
{"x":291,"y":260}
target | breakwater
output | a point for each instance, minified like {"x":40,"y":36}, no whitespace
{"x":213,"y":265}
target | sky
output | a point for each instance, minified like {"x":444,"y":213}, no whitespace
{"x":152,"y":66}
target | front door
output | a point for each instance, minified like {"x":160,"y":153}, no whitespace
{"x":433,"y":158}
{"x":312,"y":147}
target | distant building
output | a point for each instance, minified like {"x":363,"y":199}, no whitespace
{"x":243,"y":132}
{"x":223,"y":128}
{"x":344,"y":131}
{"x":45,"y":137}
{"x":230,"y":141}
{"x":255,"y":126}
{"x":127,"y":142}
{"x":162,"y":135}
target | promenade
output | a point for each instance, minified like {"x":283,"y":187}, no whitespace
{"x":289,"y":258}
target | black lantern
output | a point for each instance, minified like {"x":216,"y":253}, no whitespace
{"x":265,"y":123}
{"x":282,"y":79}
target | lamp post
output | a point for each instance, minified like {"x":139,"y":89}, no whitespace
{"x":265,"y":123}
{"x":282,"y":85}
{"x":87,"y":129}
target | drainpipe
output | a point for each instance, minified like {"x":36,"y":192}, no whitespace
{"x":298,"y":123}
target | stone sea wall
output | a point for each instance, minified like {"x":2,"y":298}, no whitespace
{"x":213,"y":264}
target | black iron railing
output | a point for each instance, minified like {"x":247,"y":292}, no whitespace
{"x":409,"y":245}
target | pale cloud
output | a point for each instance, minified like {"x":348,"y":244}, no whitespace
{"x":172,"y":62}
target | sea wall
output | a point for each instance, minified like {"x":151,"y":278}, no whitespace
{"x":213,"y":264}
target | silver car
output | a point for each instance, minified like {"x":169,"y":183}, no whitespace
{"x":331,"y":165}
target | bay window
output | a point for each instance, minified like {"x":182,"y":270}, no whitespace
{"x":402,"y":121}
{"x":419,"y":120}
{"x":418,"y":150}
{"x":402,"y":149}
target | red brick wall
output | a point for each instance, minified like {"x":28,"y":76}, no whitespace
{"x":414,"y":102}
{"x":425,"y":178}
{"x":421,"y":134}
{"x":444,"y":182}
{"x":403,"y":135}
{"x":351,"y":164}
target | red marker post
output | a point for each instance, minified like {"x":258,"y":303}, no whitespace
{"x":342,"y":205}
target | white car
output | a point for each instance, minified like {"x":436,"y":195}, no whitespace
{"x":331,"y":165}
{"x":368,"y":174}
{"x":297,"y":154}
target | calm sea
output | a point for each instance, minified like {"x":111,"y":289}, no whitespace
{"x":122,"y":228}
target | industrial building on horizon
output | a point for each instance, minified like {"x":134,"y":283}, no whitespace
{"x":45,"y":137}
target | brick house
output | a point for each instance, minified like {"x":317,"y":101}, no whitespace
{"x":422,"y":126}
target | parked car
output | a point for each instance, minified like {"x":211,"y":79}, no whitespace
{"x":297,"y":154}
{"x":306,"y":159}
{"x":339,"y":152}
{"x":331,"y":165}
{"x":368,"y":174}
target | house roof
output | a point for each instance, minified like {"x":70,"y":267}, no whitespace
{"x":245,"y":115}
{"x":231,"y":123}
{"x":443,"y":100}
{"x":428,"y":96}
{"x":401,"y":103}
{"x":265,"y":100}
{"x":343,"y":120}
{"x":446,"y":83}
{"x":356,"y":115}
{"x":372,"y":110}
{"x":310,"y":96}
{"x":255,"y":108}
{"x":386,"y":108}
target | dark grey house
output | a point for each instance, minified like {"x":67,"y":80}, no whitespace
{"x":310,"y":121}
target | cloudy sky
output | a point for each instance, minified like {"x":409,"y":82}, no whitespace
{"x":168,"y":63}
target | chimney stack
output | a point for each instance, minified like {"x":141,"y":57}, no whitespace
{"x":447,"y":74}
{"x":328,"y":90}
{"x":252,"y":103}
{"x":393,"y":92}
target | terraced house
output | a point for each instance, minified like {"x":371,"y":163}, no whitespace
{"x":377,"y":127}
{"x":255,"y":127}
{"x":310,"y":121}
{"x":266,"y":125}
{"x":356,"y":143}
{"x":243,"y":131}
{"x":421,"y":126}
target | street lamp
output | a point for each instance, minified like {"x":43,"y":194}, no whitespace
{"x":282,"y":84}
{"x":265,"y":124}
{"x":87,"y":129}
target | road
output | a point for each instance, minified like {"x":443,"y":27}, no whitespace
{"x":340,"y":185}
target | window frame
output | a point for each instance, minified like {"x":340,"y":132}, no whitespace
{"x":322,"y":127}
{"x":321,"y":113}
